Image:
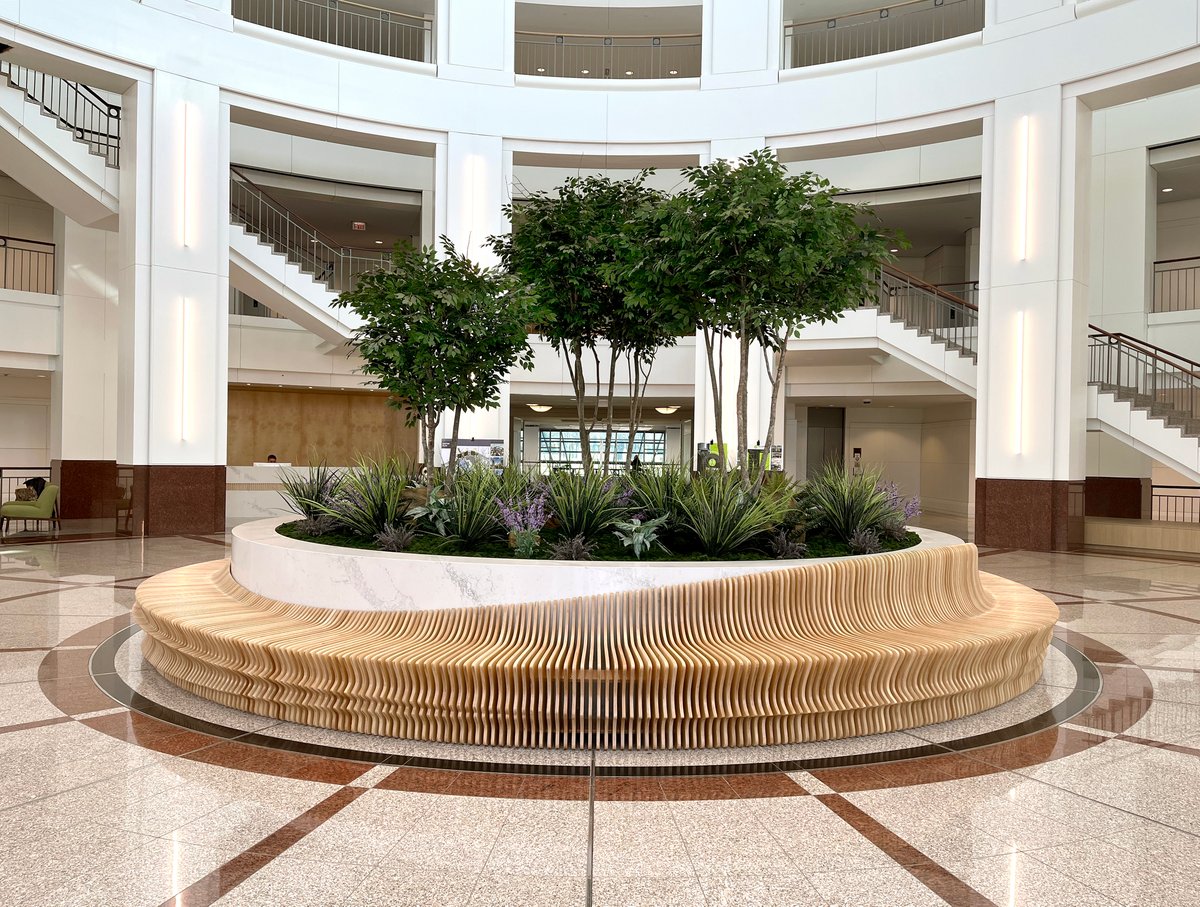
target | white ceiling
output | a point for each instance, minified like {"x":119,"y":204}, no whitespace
{"x":615,"y":19}
{"x":1182,"y":177}
{"x":930,"y":223}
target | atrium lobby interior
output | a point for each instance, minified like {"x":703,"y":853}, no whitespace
{"x":881,"y":590}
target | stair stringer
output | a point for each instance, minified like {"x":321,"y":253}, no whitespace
{"x":260,"y":272}
{"x":868,"y":328}
{"x":1143,"y":432}
{"x":48,"y":161}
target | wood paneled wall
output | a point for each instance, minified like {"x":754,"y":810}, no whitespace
{"x":299,"y":426}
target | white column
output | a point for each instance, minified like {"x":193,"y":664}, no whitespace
{"x":1125,"y":187}
{"x":475,"y":40}
{"x":740,"y":42}
{"x":1033,"y":310}
{"x":174,"y":253}
{"x":84,"y":386}
{"x":471,"y":183}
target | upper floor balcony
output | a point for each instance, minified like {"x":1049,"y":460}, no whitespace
{"x":828,"y":31}
{"x":393,"y":28}
{"x":577,"y":42}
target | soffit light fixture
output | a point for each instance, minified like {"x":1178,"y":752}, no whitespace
{"x":667,"y":410}
{"x":541,"y":69}
{"x":1168,"y":190}
{"x":540,"y":407}
{"x":584,"y":72}
{"x":674,"y":72}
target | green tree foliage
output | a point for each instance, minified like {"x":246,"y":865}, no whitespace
{"x":754,"y":254}
{"x":567,"y":246}
{"x":440,"y":333}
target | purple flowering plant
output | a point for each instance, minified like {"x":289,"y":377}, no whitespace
{"x":523,"y":516}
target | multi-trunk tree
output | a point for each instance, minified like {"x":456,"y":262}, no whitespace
{"x":440,"y":333}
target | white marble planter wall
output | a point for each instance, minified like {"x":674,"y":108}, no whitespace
{"x":323,"y":576}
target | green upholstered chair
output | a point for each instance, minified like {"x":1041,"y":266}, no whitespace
{"x":44,"y":508}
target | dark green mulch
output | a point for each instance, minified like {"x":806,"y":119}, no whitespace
{"x":607,"y":547}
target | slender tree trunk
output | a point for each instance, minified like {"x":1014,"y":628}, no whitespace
{"x":634,"y":373}
{"x":775,"y":371}
{"x":579,"y":385}
{"x":608,"y":422}
{"x":742,"y":401}
{"x":429,"y":423}
{"x":715,"y":369}
{"x":452,"y":460}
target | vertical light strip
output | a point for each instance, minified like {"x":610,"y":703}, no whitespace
{"x":184,"y":343}
{"x":1023,"y":174}
{"x":1019,"y":385}
{"x":185,"y":187}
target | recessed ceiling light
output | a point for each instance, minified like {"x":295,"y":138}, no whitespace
{"x":584,"y":72}
{"x":674,"y":72}
{"x":313,"y":241}
{"x":540,"y":407}
{"x":541,"y":69}
{"x":667,"y":410}
{"x":893,"y":250}
{"x":379,"y":242}
{"x":1168,"y":190}
{"x":629,"y":72}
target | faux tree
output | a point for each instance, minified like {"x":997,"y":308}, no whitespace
{"x":757,"y":253}
{"x":439,"y":334}
{"x":563,"y":246}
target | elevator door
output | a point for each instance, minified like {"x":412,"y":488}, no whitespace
{"x":826,"y":437}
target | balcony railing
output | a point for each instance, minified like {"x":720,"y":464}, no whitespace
{"x":241,"y":304}
{"x":1148,"y":377}
{"x":27,"y":265}
{"x":346,"y":24}
{"x":80,"y":109}
{"x":1175,"y":503}
{"x":878,"y":31}
{"x":607,"y":56}
{"x":1176,"y":285}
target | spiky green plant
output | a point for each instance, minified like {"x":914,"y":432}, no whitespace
{"x":306,"y":493}
{"x":586,"y":504}
{"x":657,"y":492}
{"x":725,"y":516}
{"x":372,"y":496}
{"x":473,"y":508}
{"x":842,"y":504}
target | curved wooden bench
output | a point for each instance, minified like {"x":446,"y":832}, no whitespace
{"x":812,"y":652}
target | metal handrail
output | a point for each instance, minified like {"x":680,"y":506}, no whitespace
{"x":1148,"y":377}
{"x":325,"y":260}
{"x":94,"y":120}
{"x":1156,"y":352}
{"x":567,"y":34}
{"x":29,"y":270}
{"x":345,"y":23}
{"x":876,"y":31}
{"x":597,"y":56}
{"x":934,"y":313}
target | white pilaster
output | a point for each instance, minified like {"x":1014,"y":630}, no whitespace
{"x":174,"y":285}
{"x":1125,"y":188}
{"x":84,"y":386}
{"x":1033,"y":314}
{"x":475,"y":40}
{"x":740,"y":42}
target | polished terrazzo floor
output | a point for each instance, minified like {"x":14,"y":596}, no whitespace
{"x":1083,"y":791}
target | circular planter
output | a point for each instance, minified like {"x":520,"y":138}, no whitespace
{"x":649,"y":656}
{"x":353,"y":579}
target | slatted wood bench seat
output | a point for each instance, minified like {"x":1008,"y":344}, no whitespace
{"x":812,"y":652}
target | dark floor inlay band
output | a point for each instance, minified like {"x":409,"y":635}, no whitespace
{"x":933,"y":876}
{"x":228,"y":876}
{"x":1087,"y":689}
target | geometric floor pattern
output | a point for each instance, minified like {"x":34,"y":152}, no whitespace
{"x":1084,"y":791}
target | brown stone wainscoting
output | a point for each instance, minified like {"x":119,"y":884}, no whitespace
{"x":1119,"y":497}
{"x":175,"y":500}
{"x":1033,"y":514}
{"x":88,"y":489}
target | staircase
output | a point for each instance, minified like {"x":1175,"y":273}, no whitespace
{"x":1147,"y":397}
{"x":942,"y":317}
{"x":76,"y":108}
{"x":926,"y":327}
{"x":287,"y":264}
